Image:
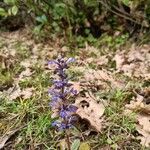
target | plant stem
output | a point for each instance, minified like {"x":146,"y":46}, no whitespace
{"x":68,"y":140}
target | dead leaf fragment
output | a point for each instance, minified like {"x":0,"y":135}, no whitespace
{"x":139,"y":105}
{"x":15,"y":92}
{"x":143,"y":118}
{"x":76,"y":86}
{"x":90,"y":110}
{"x":144,"y":121}
{"x":25,"y":73}
{"x":144,"y":129}
{"x":27,"y":93}
{"x":119,"y":59}
{"x":102,"y":78}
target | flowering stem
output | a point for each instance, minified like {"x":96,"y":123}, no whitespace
{"x":60,"y":98}
{"x":68,"y":140}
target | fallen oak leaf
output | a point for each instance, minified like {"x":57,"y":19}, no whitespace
{"x":13,"y":92}
{"x":25,"y":73}
{"x":139,"y":105}
{"x":143,"y":118}
{"x":145,"y":136}
{"x":119,"y":59}
{"x":144,"y":121}
{"x":16,"y":92}
{"x":103,"y":77}
{"x":91,"y":111}
{"x":27,"y":93}
{"x":76,"y":86}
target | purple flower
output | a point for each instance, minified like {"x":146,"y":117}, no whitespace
{"x":72,"y":108}
{"x":70,"y":60}
{"x":60,"y":93}
{"x":67,"y":111}
{"x":51,"y":62}
{"x":55,"y":98}
{"x":64,"y":126}
{"x":55,"y":104}
{"x":61,"y":83}
{"x":73,"y":91}
{"x":61,"y":125}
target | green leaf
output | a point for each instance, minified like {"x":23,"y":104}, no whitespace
{"x":86,"y":1}
{"x":10,"y":1}
{"x":75,"y":145}
{"x":9,"y":11}
{"x":3,"y":12}
{"x":14,"y":10}
{"x":84,"y":146}
{"x":37,"y":29}
{"x":126,"y":2}
{"x":41,"y":19}
{"x":63,"y":5}
{"x":109,"y":141}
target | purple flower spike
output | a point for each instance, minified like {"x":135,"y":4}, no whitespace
{"x":72,"y":108}
{"x":56,"y":124}
{"x":51,"y":62}
{"x":64,"y":126}
{"x":60,"y":93}
{"x":73,"y":91}
{"x":70,"y":60}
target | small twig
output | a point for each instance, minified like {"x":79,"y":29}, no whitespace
{"x":68,"y":140}
{"x":122,"y":15}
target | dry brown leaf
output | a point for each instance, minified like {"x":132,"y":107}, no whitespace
{"x":139,"y":105}
{"x":15,"y":92}
{"x":135,"y":104}
{"x":119,"y":59}
{"x":135,"y":62}
{"x":90,"y":110}
{"x":103,"y":78}
{"x":76,"y":86}
{"x":145,"y":138}
{"x":144,"y":121}
{"x":91,"y":75}
{"x":26,"y":63}
{"x":25,"y":73}
{"x":144,"y":129}
{"x":27,"y":93}
{"x":143,"y":118}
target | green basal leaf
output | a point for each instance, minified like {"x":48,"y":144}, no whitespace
{"x":14,"y":10}
{"x":75,"y":145}
{"x":10,"y":1}
{"x":126,"y":2}
{"x":3,"y":12}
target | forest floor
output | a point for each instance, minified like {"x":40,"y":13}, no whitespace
{"x":114,"y":86}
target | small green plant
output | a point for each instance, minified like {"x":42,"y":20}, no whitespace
{"x":12,"y":8}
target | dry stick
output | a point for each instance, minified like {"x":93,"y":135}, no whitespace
{"x":68,"y":140}
{"x":122,"y":15}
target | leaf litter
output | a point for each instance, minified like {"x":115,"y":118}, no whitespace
{"x":90,"y":110}
{"x":133,"y":63}
{"x":142,"y":116}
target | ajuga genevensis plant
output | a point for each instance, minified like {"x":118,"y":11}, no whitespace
{"x":60,"y":95}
